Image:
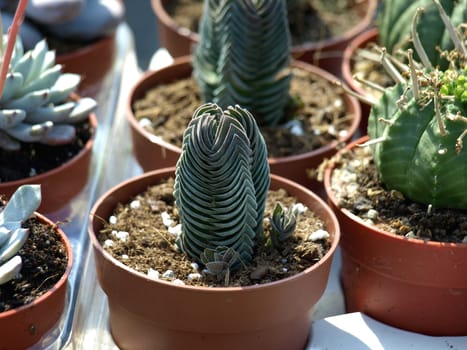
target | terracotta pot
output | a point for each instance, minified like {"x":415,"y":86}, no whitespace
{"x":360,"y":41}
{"x":155,"y":314}
{"x":92,"y":62}
{"x":154,"y":153}
{"x":24,"y":326}
{"x":407,"y":283}
{"x":61,"y":184}
{"x":179,"y":41}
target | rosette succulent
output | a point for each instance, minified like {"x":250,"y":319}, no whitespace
{"x":221,"y":183}
{"x":243,"y":55}
{"x":395,"y":22}
{"x":418,"y":127}
{"x":18,"y":209}
{"x":35,"y":104}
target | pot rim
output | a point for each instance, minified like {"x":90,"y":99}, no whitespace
{"x":350,"y":101}
{"x":60,"y":283}
{"x":170,"y":171}
{"x":96,"y":45}
{"x":375,"y":230}
{"x":84,"y":151}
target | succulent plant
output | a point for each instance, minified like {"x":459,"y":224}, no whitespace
{"x":243,"y":55}
{"x":418,"y":126}
{"x":395,"y":21}
{"x":35,"y":104}
{"x":18,"y":209}
{"x":283,"y":223}
{"x":221,"y":182}
{"x":219,"y":261}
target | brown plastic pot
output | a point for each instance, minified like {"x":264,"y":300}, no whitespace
{"x":407,"y":283}
{"x":327,"y":54}
{"x":26,"y":325}
{"x":155,"y":314}
{"x":92,"y":62}
{"x":61,"y":184}
{"x":153,"y":153}
{"x":360,"y":41}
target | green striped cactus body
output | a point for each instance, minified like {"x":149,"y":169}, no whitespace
{"x":395,"y":25}
{"x":242,"y":56}
{"x":221,"y":182}
{"x":416,"y":158}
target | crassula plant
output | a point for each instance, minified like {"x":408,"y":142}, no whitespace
{"x":243,"y":55}
{"x":221,"y":184}
{"x":18,"y":209}
{"x":418,"y":126}
{"x":35,"y":104}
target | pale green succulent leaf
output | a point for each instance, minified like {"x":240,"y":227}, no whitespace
{"x":64,"y":86}
{"x":83,"y":107}
{"x":14,"y":243}
{"x":11,"y":117}
{"x":55,"y":114}
{"x":8,"y":143}
{"x":20,"y":207}
{"x":29,"y":101}
{"x":13,"y":83}
{"x":38,"y":55}
{"x":45,"y":80}
{"x":30,"y":133}
{"x":10,"y":269}
{"x":60,"y":134}
{"x":24,"y":64}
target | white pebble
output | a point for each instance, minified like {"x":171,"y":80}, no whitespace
{"x":317,"y":235}
{"x":121,"y":235}
{"x":108,"y":243}
{"x":166,"y":220}
{"x":299,"y":207}
{"x":372,"y":214}
{"x":284,"y":260}
{"x":410,"y":234}
{"x":135,"y":204}
{"x":284,"y":269}
{"x":175,"y":230}
{"x":195,"y":266}
{"x":464,"y":240}
{"x":178,"y":282}
{"x":154,"y":274}
{"x":113,"y":220}
{"x":194,"y":277}
{"x":145,"y":122}
{"x":125,"y":257}
{"x":169,"y":274}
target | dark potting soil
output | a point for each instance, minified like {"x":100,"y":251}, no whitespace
{"x":319,"y":107}
{"x":149,"y":244}
{"x":35,"y":158}
{"x":356,"y":187}
{"x":309,"y":20}
{"x":44,"y":262}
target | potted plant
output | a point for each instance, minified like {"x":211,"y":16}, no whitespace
{"x":403,"y":218}
{"x":221,"y":191}
{"x":228,"y":69}
{"x":316,"y":40}
{"x":35,"y":262}
{"x":46,"y":132}
{"x":361,"y":62}
{"x":81,"y":32}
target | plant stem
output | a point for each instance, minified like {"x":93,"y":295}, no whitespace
{"x":12,"y":33}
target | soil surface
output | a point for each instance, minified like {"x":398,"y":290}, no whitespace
{"x":309,"y":20}
{"x":149,"y":244}
{"x":35,"y":158}
{"x":44,"y":263}
{"x":318,"y":107}
{"x":357,"y":188}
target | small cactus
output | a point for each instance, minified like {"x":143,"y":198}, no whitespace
{"x":221,"y":182}
{"x":220,"y":261}
{"x":35,"y":104}
{"x":395,"y":22}
{"x":243,"y":55}
{"x":418,"y":126}
{"x":283,"y":223}
{"x":18,"y":209}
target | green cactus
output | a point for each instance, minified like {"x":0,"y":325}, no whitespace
{"x":283,"y":223}
{"x":35,"y":104}
{"x":18,"y":209}
{"x":221,"y":182}
{"x":243,"y":55}
{"x":418,"y":128}
{"x":395,"y":26}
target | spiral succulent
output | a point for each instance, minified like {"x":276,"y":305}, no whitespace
{"x":243,"y":55}
{"x":18,"y":209}
{"x":221,"y":182}
{"x":35,"y":105}
{"x":395,"y":21}
{"x":418,"y":127}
